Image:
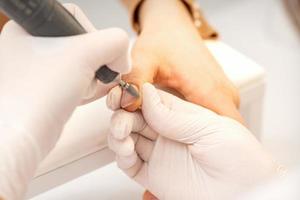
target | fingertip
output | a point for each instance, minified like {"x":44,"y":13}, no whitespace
{"x":150,"y":96}
{"x":135,"y":168}
{"x":120,"y":37}
{"x":113,"y":100}
{"x":121,"y":147}
{"x":118,"y":131}
{"x":149,"y":91}
{"x":127,"y":147}
{"x":126,"y":162}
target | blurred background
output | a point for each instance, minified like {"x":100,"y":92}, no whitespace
{"x":262,"y":30}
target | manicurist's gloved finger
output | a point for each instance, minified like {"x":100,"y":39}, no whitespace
{"x":133,"y":144}
{"x":113,"y":99}
{"x":105,"y":47}
{"x":132,"y":164}
{"x":131,"y":139}
{"x":163,"y":113}
{"x":123,"y":147}
{"x":127,"y":162}
{"x":123,"y":123}
{"x":126,"y":156}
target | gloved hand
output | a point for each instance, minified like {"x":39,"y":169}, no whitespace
{"x":42,"y":80}
{"x":178,"y":150}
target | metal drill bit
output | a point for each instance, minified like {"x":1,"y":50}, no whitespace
{"x":129,"y":88}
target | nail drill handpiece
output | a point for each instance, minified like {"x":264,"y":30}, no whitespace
{"x":49,"y":18}
{"x":104,"y":73}
{"x":129,"y":88}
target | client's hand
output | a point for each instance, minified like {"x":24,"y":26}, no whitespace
{"x":170,"y":53}
{"x":178,"y":150}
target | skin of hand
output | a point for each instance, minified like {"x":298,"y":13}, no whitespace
{"x":42,"y":81}
{"x":179,"y":150}
{"x":170,"y":52}
{"x":3,"y":20}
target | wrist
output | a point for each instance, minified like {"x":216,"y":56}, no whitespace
{"x":160,"y":15}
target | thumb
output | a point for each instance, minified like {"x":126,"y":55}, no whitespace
{"x":174,"y":124}
{"x":102,"y":47}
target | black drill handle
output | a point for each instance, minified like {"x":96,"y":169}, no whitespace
{"x":50,"y":19}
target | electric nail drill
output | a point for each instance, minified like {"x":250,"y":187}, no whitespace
{"x":50,"y":19}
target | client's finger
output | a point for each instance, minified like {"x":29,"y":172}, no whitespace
{"x":143,"y":71}
{"x":130,"y":164}
{"x":126,"y":162}
{"x":123,"y":123}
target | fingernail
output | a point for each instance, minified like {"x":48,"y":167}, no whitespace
{"x":127,"y":99}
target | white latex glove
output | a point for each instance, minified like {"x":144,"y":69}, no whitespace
{"x":178,"y":150}
{"x":42,"y":80}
